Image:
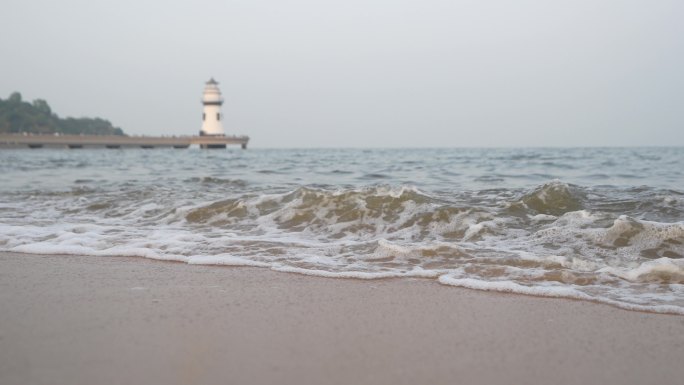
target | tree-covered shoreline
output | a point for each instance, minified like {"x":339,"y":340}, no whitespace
{"x":18,"y":116}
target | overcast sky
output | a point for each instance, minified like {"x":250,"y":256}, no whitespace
{"x":360,"y":73}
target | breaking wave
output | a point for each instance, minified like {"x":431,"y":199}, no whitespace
{"x":557,"y":239}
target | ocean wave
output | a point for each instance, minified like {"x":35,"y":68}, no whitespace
{"x":555,"y":239}
{"x":554,"y":198}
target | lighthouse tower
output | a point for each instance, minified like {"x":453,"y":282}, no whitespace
{"x":211,"y":113}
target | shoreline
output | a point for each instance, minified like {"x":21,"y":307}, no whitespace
{"x":77,"y":319}
{"x":442,"y":280}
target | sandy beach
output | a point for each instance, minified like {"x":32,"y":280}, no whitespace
{"x":114,"y":320}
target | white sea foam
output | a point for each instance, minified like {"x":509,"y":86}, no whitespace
{"x":415,"y":273}
{"x":512,"y":287}
{"x":224,"y":260}
{"x":553,"y":291}
{"x":670,"y":269}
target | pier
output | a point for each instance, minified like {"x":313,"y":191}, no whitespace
{"x":119,"y":141}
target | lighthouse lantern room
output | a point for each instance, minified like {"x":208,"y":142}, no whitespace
{"x":211,"y":113}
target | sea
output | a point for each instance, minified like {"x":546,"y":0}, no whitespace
{"x":597,"y":224}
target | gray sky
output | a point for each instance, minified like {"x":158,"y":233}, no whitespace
{"x":360,"y":73}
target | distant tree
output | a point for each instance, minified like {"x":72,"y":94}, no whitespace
{"x":17,"y":116}
{"x":15,"y":97}
{"x":42,"y":106}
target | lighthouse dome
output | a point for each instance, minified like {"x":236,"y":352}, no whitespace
{"x":212,"y":94}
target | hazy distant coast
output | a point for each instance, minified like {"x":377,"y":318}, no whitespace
{"x":19,"y":116}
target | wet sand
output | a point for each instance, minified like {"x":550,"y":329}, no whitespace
{"x":99,"y":320}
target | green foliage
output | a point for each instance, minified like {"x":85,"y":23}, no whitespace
{"x":17,"y":116}
{"x":15,"y":97}
{"x":42,"y":106}
{"x":88,"y":126}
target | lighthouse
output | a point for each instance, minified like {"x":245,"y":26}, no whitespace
{"x":211,"y":112}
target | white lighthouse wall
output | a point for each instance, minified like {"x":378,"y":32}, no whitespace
{"x":211,"y":125}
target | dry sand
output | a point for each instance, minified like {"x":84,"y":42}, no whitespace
{"x":99,"y":320}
